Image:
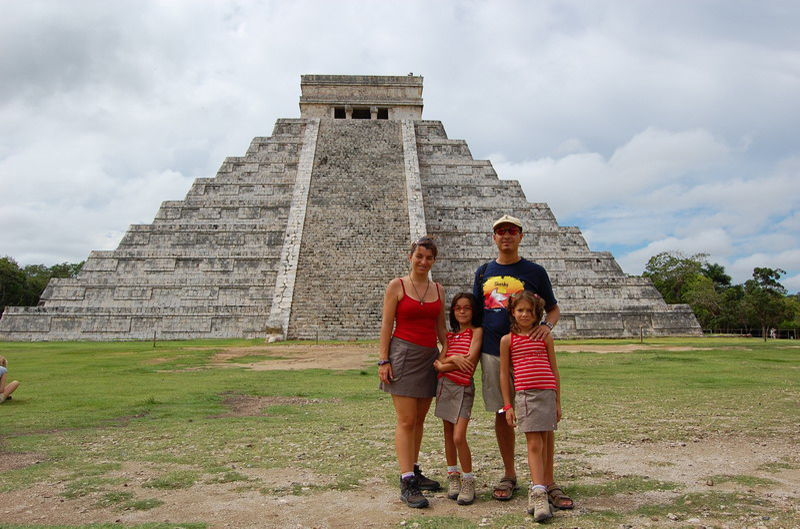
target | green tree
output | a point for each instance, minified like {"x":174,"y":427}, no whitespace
{"x":24,"y":286}
{"x":793,"y":321}
{"x":36,"y":278}
{"x":765,"y":298}
{"x":704,"y":299}
{"x":732,"y":311}
{"x":716,"y":273}
{"x":671,"y":273}
{"x":12,"y":283}
{"x":66,"y":269}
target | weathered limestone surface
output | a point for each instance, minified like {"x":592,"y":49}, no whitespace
{"x":356,"y":233}
{"x":299,"y":237}
{"x":290,"y":253}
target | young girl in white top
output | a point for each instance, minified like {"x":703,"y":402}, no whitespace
{"x":456,"y":392}
{"x":537,"y":406}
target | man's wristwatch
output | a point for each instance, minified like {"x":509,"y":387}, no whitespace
{"x":382,"y":362}
{"x":549,"y":325}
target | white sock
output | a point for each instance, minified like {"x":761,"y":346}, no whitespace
{"x":468,"y":475}
{"x":455,"y":469}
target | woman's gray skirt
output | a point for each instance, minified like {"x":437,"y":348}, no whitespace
{"x":413,"y":374}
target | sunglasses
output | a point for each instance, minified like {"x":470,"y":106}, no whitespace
{"x":510,"y":231}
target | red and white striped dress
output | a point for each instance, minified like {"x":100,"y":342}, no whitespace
{"x":458,"y":344}
{"x":531,"y":364}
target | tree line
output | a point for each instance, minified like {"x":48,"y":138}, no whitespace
{"x":23,"y":286}
{"x":760,"y":303}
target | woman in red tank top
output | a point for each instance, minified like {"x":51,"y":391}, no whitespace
{"x":413,"y":321}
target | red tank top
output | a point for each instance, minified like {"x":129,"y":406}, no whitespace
{"x":531,"y":364}
{"x":415,"y":322}
{"x":458,"y":344}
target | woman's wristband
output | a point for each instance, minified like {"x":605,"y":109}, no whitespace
{"x":383,"y":362}
{"x":505,"y":408}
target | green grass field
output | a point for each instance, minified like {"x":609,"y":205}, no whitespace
{"x":86,"y":409}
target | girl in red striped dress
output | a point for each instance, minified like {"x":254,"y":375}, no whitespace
{"x":456,"y":392}
{"x":537,"y":405}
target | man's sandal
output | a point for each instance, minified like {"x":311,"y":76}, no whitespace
{"x":507,"y":486}
{"x":558,"y":499}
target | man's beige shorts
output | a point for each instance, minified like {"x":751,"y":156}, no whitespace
{"x":490,"y":381}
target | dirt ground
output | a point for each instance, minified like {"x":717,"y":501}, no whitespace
{"x":376,"y":504}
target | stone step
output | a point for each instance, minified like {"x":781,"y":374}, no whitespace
{"x":357,"y":197}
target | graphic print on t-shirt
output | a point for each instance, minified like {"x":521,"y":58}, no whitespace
{"x":497,"y":290}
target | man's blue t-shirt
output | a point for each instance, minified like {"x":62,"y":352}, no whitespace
{"x":495,"y":284}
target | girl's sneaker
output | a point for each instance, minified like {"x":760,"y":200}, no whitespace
{"x":467,"y":495}
{"x":538,"y":505}
{"x":454,"y":485}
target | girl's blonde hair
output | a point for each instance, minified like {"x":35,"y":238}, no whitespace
{"x":3,"y":361}
{"x":535,"y":301}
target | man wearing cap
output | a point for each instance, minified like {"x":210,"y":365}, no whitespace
{"x":494,"y":282}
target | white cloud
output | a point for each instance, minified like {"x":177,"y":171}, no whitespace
{"x":652,"y":161}
{"x":713,"y":242}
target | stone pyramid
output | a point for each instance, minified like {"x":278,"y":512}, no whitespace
{"x":299,"y":237}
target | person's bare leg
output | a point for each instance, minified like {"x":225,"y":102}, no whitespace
{"x":505,"y":442}
{"x":450,"y":450}
{"x":460,"y":442}
{"x":404,"y":434}
{"x":547,"y":456}
{"x":9,"y":388}
{"x":536,"y":443}
{"x":423,"y":405}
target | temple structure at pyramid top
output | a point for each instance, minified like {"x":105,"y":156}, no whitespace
{"x":299,"y":237}
{"x":361,"y":97}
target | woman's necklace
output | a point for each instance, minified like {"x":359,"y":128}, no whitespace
{"x":421,"y":299}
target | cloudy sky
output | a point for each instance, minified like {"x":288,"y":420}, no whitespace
{"x":653,"y":126}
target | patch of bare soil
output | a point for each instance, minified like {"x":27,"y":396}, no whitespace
{"x":248,"y":405}
{"x":701,"y":467}
{"x":17,"y":460}
{"x":295,"y":357}
{"x":376,"y":504}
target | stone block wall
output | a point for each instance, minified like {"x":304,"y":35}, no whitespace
{"x":356,"y":233}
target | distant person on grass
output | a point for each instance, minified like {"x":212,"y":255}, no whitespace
{"x":536,"y":406}
{"x":6,"y":388}
{"x":456,"y":392}
{"x":495,"y":282}
{"x":413,"y":321}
